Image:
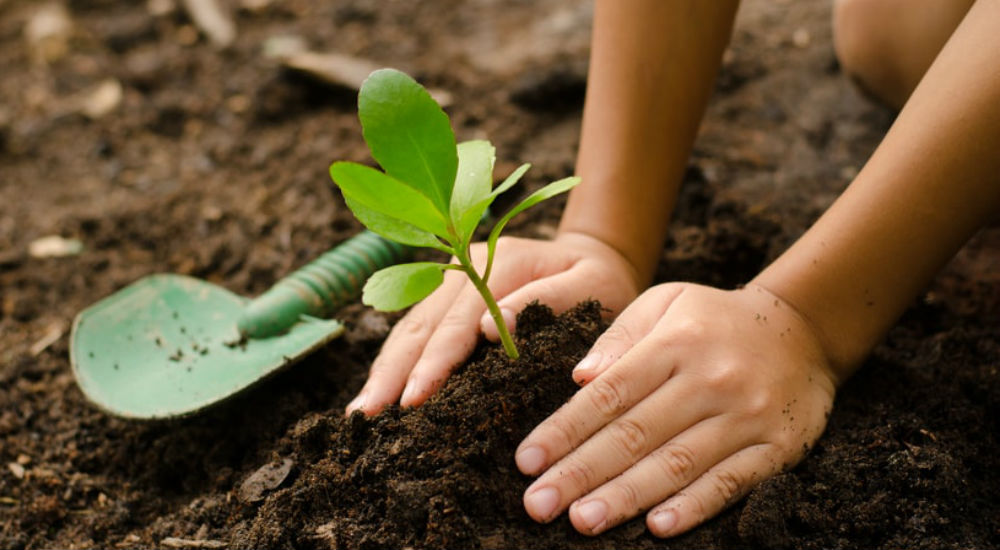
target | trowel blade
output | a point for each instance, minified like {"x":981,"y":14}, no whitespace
{"x":167,"y":346}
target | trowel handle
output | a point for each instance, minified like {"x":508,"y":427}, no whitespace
{"x":322,"y":286}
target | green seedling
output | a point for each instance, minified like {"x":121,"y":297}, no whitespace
{"x":432,"y":193}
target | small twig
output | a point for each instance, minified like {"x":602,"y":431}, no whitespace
{"x":174,"y":542}
{"x":52,"y":335}
{"x":333,"y":68}
{"x":213,"y":20}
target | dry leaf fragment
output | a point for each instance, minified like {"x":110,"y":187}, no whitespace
{"x":175,"y":542}
{"x":213,"y":20}
{"x":267,"y":478}
{"x":54,"y":246}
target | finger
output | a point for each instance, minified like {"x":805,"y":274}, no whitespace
{"x":642,"y":370}
{"x":453,"y":339}
{"x":659,"y":475}
{"x":638,"y":320}
{"x":719,"y":487}
{"x":520,"y":277}
{"x":554,"y":291}
{"x":621,"y":444}
{"x":403,"y":348}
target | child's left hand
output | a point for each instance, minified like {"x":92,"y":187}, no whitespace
{"x":692,"y":397}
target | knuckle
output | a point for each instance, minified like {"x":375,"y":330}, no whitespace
{"x":676,"y":461}
{"x":688,"y":330}
{"x":629,"y":497}
{"x":722,"y":376}
{"x":562,"y":430}
{"x":787,"y":442}
{"x":411,"y":325}
{"x":618,"y":333}
{"x":630,"y":436}
{"x":607,"y":395}
{"x":728,"y":486}
{"x":542,"y":290}
{"x":758,"y":402}
{"x":579,"y":473}
{"x":379,"y":368}
{"x":453,"y":319}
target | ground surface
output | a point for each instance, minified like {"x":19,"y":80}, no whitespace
{"x":214,"y":164}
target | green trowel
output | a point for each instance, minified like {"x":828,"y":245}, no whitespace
{"x":170,"y":345}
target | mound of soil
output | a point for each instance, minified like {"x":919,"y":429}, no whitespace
{"x":213,"y":164}
{"x":441,"y":475}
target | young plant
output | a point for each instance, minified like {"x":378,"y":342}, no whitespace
{"x":432,"y":194}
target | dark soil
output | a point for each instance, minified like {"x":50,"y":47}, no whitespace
{"x":214,"y":165}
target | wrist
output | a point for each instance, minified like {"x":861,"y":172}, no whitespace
{"x":842,"y":353}
{"x":607,"y":253}
{"x":640,"y":254}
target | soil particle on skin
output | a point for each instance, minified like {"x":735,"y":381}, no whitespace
{"x":214,"y":164}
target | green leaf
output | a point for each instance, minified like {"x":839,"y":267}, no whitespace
{"x":394,"y":229}
{"x":386,"y":195}
{"x":472,"y":185}
{"x":468,"y":222}
{"x":544,"y":193}
{"x":409,"y":134}
{"x":401,"y":286}
{"x":513,"y":178}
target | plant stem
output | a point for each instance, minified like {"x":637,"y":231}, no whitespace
{"x":491,"y":305}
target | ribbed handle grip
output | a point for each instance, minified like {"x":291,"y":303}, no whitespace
{"x":322,"y":286}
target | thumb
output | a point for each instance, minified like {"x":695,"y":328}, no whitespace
{"x":559,"y":292}
{"x":638,"y":320}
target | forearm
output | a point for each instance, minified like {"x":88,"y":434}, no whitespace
{"x":652,"y":68}
{"x":933,"y":181}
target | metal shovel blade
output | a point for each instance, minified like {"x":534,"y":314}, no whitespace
{"x":168,"y":345}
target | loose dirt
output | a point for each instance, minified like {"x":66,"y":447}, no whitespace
{"x":213,"y":163}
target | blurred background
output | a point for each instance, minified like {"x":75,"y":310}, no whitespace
{"x":194,"y":136}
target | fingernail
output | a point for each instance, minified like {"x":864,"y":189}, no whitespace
{"x":409,"y":395}
{"x":664,"y":522}
{"x":508,"y":317}
{"x":356,"y":403}
{"x":542,"y":503}
{"x":530,"y":460}
{"x":587,"y":364}
{"x":592,"y":515}
{"x":488,"y":327}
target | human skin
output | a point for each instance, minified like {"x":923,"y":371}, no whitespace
{"x":887,"y":45}
{"x":634,"y":148}
{"x":696,"y":394}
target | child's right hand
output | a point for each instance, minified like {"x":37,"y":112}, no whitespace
{"x":693,"y":396}
{"x":441,"y":331}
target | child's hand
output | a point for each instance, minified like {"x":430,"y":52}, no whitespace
{"x":440,"y":332}
{"x":692,"y":396}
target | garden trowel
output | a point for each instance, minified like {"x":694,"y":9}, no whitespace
{"x":171,"y":345}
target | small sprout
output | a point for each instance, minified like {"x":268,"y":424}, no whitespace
{"x":432,"y":193}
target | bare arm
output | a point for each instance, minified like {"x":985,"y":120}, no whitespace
{"x":933,"y":181}
{"x":694,"y":394}
{"x":652,"y":69}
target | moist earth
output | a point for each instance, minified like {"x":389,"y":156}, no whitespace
{"x":213,"y":162}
